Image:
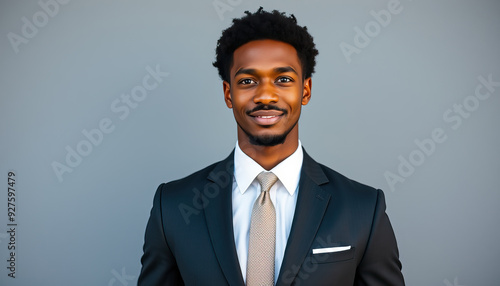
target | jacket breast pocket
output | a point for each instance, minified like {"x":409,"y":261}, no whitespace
{"x":333,"y":256}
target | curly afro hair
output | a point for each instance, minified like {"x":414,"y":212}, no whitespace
{"x":261,"y":25}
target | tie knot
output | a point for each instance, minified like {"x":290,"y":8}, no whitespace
{"x":266,"y":180}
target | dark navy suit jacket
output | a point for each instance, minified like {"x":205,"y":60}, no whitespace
{"x":189,"y":237}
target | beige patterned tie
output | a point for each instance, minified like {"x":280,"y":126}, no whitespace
{"x":261,"y":247}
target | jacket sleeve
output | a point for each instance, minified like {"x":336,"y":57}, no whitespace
{"x":380,"y":264}
{"x":158,"y":263}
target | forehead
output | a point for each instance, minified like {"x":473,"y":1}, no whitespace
{"x":265,"y":55}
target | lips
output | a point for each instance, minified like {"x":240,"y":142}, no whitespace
{"x":266,"y":117}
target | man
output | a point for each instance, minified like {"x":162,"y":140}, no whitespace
{"x":268,"y":214}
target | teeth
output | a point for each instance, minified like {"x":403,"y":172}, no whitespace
{"x":266,"y":116}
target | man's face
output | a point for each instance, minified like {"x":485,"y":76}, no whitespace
{"x":267,"y":91}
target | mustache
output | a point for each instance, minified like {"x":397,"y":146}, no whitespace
{"x":267,"y":107}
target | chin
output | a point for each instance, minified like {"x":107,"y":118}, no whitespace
{"x":267,"y":140}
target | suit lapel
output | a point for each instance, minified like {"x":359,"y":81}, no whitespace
{"x":218,"y":214}
{"x":312,"y":202}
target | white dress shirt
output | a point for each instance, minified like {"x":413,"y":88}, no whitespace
{"x":283,"y":193}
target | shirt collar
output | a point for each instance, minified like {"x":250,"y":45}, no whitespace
{"x":288,"y":171}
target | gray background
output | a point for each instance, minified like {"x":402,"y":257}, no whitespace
{"x":87,"y":229}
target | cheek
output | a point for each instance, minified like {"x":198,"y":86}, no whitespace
{"x":240,"y":101}
{"x":238,"y":110}
{"x":295,"y":103}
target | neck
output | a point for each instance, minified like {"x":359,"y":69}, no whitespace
{"x":269,"y":156}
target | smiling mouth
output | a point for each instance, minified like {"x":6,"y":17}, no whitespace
{"x":267,"y":115}
{"x":267,"y":120}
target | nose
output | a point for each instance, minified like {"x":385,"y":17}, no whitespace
{"x":266,"y":93}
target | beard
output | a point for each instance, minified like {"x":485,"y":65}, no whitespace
{"x":267,"y":140}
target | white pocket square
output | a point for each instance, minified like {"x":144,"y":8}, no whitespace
{"x":330,"y":249}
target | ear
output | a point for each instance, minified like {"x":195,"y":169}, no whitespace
{"x":306,"y":93}
{"x":226,"y":86}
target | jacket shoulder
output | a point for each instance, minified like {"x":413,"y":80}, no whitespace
{"x":347,"y":189}
{"x":197,"y":176}
{"x":338,"y":178}
{"x":217,"y":172}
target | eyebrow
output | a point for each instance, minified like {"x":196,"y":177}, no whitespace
{"x":275,"y":70}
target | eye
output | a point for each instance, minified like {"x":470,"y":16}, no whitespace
{"x":246,"y":81}
{"x":284,"y":80}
